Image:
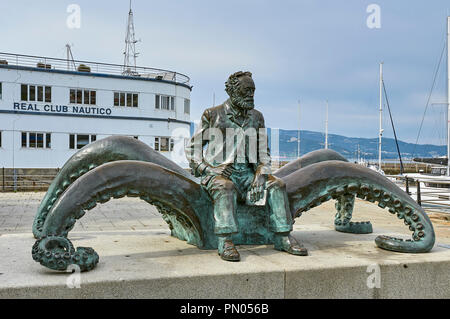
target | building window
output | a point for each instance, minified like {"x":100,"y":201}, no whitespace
{"x":164,"y":144}
{"x":81,"y":96}
{"x":24,"y":139}
{"x":78,"y":141}
{"x":1,"y":91}
{"x":0,"y":139}
{"x":126,"y":99}
{"x":40,"y":95}
{"x":129,"y":100}
{"x":24,"y":92}
{"x":32,"y":94}
{"x":48,"y":94}
{"x":36,"y":140}
{"x":187,"y":106}
{"x":36,"y":93}
{"x":165,"y":102}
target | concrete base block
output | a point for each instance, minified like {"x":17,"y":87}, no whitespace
{"x":151,"y":264}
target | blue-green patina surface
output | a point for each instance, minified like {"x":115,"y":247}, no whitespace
{"x":188,"y":209}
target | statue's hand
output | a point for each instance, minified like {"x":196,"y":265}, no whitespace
{"x":224,"y":171}
{"x":258,"y":187}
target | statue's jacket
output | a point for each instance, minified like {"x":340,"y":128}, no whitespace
{"x":229,"y":139}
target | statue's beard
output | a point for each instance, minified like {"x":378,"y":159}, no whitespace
{"x":245,"y":103}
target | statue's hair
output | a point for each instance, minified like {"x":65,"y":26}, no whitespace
{"x":233,"y":81}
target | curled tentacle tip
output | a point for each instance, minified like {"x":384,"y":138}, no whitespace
{"x":58,"y":253}
{"x":414,"y":245}
{"x":346,"y":226}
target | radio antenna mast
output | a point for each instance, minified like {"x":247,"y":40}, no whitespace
{"x":129,"y":64}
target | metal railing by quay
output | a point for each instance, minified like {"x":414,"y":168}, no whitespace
{"x":41,"y":62}
{"x":430,"y":198}
{"x":15,"y":180}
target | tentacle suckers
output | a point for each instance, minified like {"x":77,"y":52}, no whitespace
{"x":311,"y":186}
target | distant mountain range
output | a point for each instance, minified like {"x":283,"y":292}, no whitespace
{"x":348,"y":146}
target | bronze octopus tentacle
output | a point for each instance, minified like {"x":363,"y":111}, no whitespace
{"x":309,"y":159}
{"x":110,"y":149}
{"x":313,"y":185}
{"x":184,"y":208}
{"x":344,"y":204}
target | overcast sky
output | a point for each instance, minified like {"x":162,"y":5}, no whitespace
{"x":307,"y":50}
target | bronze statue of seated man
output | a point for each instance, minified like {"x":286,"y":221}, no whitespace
{"x":234,"y":171}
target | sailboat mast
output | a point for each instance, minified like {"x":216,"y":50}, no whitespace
{"x":448,"y":96}
{"x":326,"y":129}
{"x":298,"y":133}
{"x":381,"y":115}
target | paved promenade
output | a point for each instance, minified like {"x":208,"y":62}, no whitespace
{"x":17,"y":211}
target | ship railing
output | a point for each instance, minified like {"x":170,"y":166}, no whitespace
{"x":39,"y":62}
{"x":425,"y":192}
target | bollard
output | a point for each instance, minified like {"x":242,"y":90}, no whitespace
{"x":407,"y":186}
{"x":419,"y":197}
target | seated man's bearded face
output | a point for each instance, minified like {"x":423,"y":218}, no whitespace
{"x":242,"y":95}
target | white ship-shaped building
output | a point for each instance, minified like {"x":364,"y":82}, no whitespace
{"x":50,"y":108}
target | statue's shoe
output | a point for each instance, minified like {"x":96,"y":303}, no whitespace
{"x":290,"y":245}
{"x":229,"y":252}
